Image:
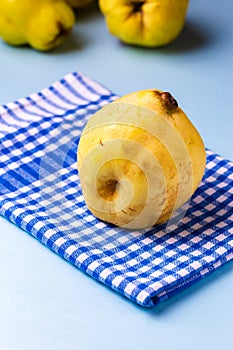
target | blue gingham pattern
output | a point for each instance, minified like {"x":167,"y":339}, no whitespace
{"x":40,"y":192}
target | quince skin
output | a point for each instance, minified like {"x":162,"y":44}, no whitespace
{"x":42,"y":24}
{"x":148,"y":23}
{"x":139,"y":159}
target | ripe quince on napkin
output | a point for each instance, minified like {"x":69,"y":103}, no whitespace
{"x":139,"y":159}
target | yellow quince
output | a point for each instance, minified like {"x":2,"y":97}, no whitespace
{"x":42,"y":24}
{"x":139,"y":159}
{"x":149,"y":23}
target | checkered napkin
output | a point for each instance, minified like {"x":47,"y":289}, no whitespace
{"x":40,"y":192}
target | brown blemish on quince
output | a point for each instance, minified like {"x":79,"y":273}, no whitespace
{"x":170,"y":101}
{"x":167,"y":99}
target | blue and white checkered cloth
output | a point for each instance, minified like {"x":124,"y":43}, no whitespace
{"x":40,"y":192}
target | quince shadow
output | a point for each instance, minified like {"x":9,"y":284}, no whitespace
{"x":73,"y":42}
{"x":77,"y":39}
{"x":193,"y":37}
{"x":88,"y":13}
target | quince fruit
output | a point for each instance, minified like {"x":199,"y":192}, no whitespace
{"x":149,"y":23}
{"x":139,"y":159}
{"x":78,"y":3}
{"x":42,"y":24}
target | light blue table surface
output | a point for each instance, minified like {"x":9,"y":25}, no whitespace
{"x":37,"y":311}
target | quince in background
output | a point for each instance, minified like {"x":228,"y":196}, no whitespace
{"x":139,"y":159}
{"x":149,"y":23}
{"x":78,"y":3}
{"x":42,"y":24}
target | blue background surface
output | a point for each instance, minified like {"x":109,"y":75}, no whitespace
{"x":36,"y":310}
